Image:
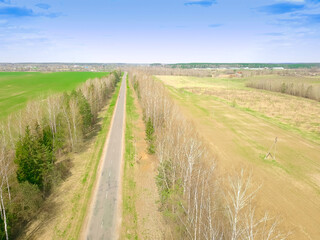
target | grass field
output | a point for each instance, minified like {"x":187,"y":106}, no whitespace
{"x":292,"y":113}
{"x":17,"y":88}
{"x":298,"y":79}
{"x":240,"y":124}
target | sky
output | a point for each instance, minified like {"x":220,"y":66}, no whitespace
{"x":159,"y":31}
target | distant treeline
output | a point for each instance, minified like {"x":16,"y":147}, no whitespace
{"x":241,"y":65}
{"x":32,"y":142}
{"x":292,"y":87}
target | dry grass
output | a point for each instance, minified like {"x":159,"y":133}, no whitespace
{"x":290,"y":185}
{"x":292,"y":111}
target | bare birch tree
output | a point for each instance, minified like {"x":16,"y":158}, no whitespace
{"x":186,"y":176}
{"x":4,"y":182}
{"x":53,"y":109}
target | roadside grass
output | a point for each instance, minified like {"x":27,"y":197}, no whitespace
{"x":129,"y":214}
{"x":80,"y":200}
{"x":17,"y":88}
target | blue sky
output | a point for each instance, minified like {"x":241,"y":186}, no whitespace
{"x":167,"y":31}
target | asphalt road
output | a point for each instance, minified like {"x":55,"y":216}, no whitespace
{"x":104,"y":220}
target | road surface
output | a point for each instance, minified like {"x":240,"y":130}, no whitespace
{"x":103,"y":221}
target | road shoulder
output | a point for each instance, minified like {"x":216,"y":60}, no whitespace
{"x":141,"y":216}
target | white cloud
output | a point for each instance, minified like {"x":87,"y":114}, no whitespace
{"x":294,"y":1}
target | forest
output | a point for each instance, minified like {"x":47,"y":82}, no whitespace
{"x":33,"y":141}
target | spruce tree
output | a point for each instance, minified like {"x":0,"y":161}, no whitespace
{"x":150,"y":136}
{"x":34,"y":159}
{"x":85,"y":112}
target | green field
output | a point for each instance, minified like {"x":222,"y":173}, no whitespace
{"x":17,"y":88}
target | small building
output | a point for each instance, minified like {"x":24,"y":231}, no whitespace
{"x":239,"y":74}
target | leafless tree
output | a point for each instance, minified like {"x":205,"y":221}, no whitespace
{"x":4,"y":175}
{"x":53,"y":106}
{"x":186,"y":176}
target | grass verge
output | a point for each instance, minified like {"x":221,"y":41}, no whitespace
{"x":80,"y":200}
{"x":129,"y":214}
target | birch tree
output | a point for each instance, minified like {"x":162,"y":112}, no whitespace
{"x":4,"y":181}
{"x":186,"y":179}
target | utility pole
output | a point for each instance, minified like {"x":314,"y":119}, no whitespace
{"x":272,"y":151}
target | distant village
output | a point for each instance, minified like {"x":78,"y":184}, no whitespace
{"x":214,"y":70}
{"x":56,"y":67}
{"x":100,"y":67}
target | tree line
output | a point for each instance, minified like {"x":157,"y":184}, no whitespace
{"x":297,"y":88}
{"x":33,"y":140}
{"x":225,"y":73}
{"x":195,"y":202}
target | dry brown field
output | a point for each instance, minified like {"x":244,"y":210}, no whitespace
{"x":241,"y":125}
